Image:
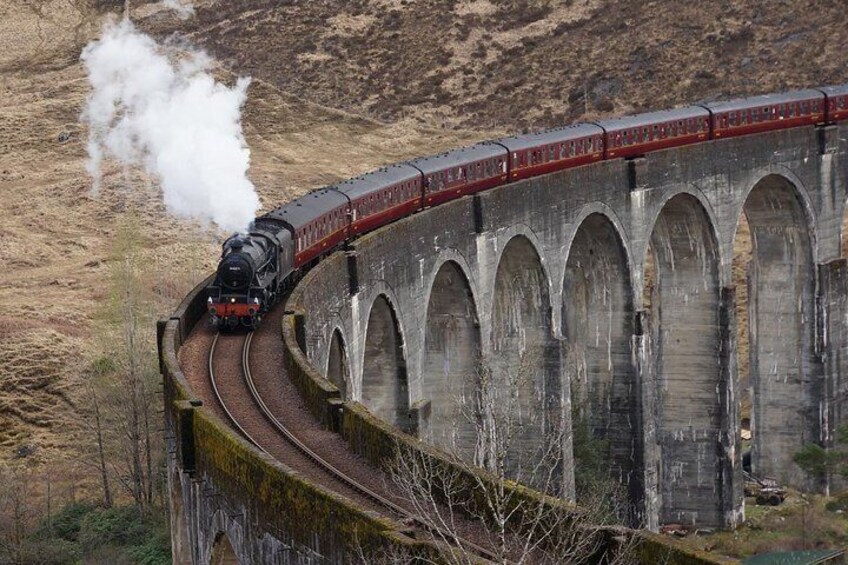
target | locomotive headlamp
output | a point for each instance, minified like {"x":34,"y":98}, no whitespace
{"x":233,"y":300}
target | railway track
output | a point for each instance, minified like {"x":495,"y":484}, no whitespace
{"x":326,"y":468}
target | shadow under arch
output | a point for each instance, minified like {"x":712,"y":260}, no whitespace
{"x":684,"y":327}
{"x":524,"y":366}
{"x":385,"y":389}
{"x":222,"y":551}
{"x":778,"y":286}
{"x":338,"y":366}
{"x":451,"y":361}
{"x":597,"y":325}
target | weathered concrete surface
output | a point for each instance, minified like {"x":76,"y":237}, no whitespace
{"x":450,"y":367}
{"x":661,"y":385}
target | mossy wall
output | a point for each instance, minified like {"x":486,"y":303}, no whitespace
{"x":276,"y":499}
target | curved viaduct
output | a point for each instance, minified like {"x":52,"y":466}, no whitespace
{"x":614,"y":281}
{"x":603,"y":292}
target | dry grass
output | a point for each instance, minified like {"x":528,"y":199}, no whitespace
{"x":799,"y":523}
{"x":523,"y":64}
{"x":56,"y":237}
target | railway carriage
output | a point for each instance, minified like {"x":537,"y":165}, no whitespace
{"x":837,"y":102}
{"x":768,"y":112}
{"x":382,"y":196}
{"x":633,"y":136}
{"x":462,"y":171}
{"x":540,"y":153}
{"x":318,"y":222}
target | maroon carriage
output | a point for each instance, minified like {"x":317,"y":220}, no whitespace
{"x":382,"y":196}
{"x":462,"y":171}
{"x":767,"y":112}
{"x":633,"y":136}
{"x":318,"y":222}
{"x":544,"y":152}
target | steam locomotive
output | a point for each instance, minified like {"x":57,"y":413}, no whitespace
{"x":257,"y":267}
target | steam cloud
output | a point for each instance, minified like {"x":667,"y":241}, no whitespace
{"x":158,"y":107}
{"x":183,"y":10}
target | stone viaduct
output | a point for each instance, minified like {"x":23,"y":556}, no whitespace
{"x":603,"y":294}
{"x":607,"y":291}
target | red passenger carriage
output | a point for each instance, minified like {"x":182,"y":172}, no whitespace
{"x":552,"y":150}
{"x":318,"y":220}
{"x":837,"y":102}
{"x":768,"y":112}
{"x":633,"y":136}
{"x":462,"y":171}
{"x":382,"y":196}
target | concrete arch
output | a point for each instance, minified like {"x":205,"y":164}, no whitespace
{"x":222,"y":551}
{"x":507,"y":236}
{"x":601,"y":209}
{"x":781,"y":283}
{"x":226,"y":541}
{"x":706,"y":207}
{"x":685,"y":329}
{"x":597,"y":325}
{"x":338,"y":365}
{"x":451,"y":354}
{"x":445,"y":255}
{"x":798,"y":186}
{"x":525,"y":359}
{"x":385,"y":388}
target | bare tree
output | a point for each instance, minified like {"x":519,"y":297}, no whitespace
{"x":19,"y":512}
{"x":521,"y":526}
{"x":125,"y":401}
{"x":93,"y":422}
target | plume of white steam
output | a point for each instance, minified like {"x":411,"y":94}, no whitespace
{"x":158,"y":107}
{"x":183,"y":9}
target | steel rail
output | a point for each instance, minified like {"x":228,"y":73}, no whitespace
{"x":339,"y":475}
{"x":220,"y":399}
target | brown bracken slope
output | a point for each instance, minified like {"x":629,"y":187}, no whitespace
{"x":524,"y":64}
